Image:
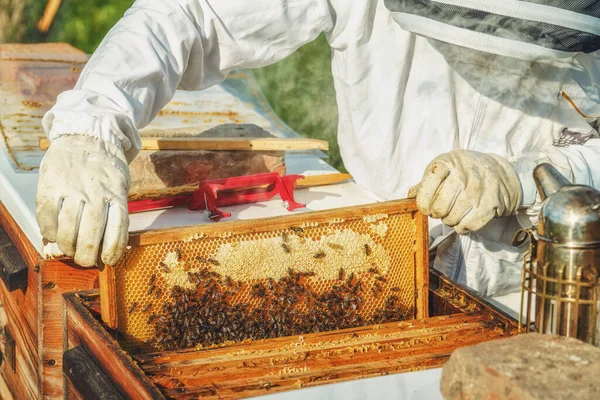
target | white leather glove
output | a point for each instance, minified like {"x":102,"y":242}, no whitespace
{"x":82,"y":198}
{"x":466,"y":189}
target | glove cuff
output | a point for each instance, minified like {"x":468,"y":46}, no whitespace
{"x":524,"y":167}
{"x":87,"y":146}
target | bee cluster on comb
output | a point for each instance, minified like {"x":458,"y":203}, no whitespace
{"x":204,"y":315}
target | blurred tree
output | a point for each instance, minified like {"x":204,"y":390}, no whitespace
{"x":12,"y":14}
{"x":82,"y":23}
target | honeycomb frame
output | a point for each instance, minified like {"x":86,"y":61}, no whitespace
{"x":390,"y":237}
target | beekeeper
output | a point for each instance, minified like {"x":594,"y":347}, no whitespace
{"x":460,"y":98}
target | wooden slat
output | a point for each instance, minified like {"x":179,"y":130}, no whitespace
{"x":49,"y":52}
{"x":320,"y":180}
{"x":72,"y":393}
{"x":84,"y":330}
{"x":422,"y":266}
{"x":143,"y":238}
{"x":225,"y":144}
{"x":108,"y":294}
{"x":86,"y":376}
{"x":22,"y":311}
{"x":5,"y":390}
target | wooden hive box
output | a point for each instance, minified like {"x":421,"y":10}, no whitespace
{"x":96,"y":365}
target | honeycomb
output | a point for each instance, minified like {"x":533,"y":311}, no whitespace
{"x":385,"y":243}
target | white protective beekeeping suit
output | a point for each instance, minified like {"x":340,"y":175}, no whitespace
{"x":403,"y":100}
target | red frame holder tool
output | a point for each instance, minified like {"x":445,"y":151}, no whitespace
{"x":213,"y":194}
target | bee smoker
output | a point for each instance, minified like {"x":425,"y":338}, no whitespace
{"x":560,"y":282}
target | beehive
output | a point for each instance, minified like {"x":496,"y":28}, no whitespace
{"x":382,"y":246}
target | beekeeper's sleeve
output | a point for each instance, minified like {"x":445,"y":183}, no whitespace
{"x":580,"y":164}
{"x":159,"y":46}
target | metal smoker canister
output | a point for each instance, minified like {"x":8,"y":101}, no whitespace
{"x":560,"y":273}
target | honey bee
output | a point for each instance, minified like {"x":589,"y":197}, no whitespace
{"x":285,"y":247}
{"x":146,"y":307}
{"x":341,"y":274}
{"x":157,"y":293}
{"x":296,"y":229}
{"x":367,"y":250}
{"x":164,"y":267}
{"x":150,"y":290}
{"x":213,"y":262}
{"x":152,"y":278}
{"x":375,"y":293}
{"x":132,"y":307}
{"x":373,"y":271}
{"x":201,"y":259}
{"x":284,"y":237}
{"x":395,"y":289}
{"x":350,"y":278}
{"x":178,"y":252}
{"x":381,"y":279}
{"x":319,"y":255}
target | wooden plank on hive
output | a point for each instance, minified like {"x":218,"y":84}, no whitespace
{"x":143,"y":238}
{"x":56,"y":52}
{"x":225,"y":144}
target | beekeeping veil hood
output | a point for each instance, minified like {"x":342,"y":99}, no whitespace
{"x":524,"y":29}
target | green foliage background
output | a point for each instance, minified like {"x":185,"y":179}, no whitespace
{"x":299,"y":88}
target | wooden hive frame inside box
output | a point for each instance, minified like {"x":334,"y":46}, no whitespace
{"x":457,"y":318}
{"x":390,"y":237}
